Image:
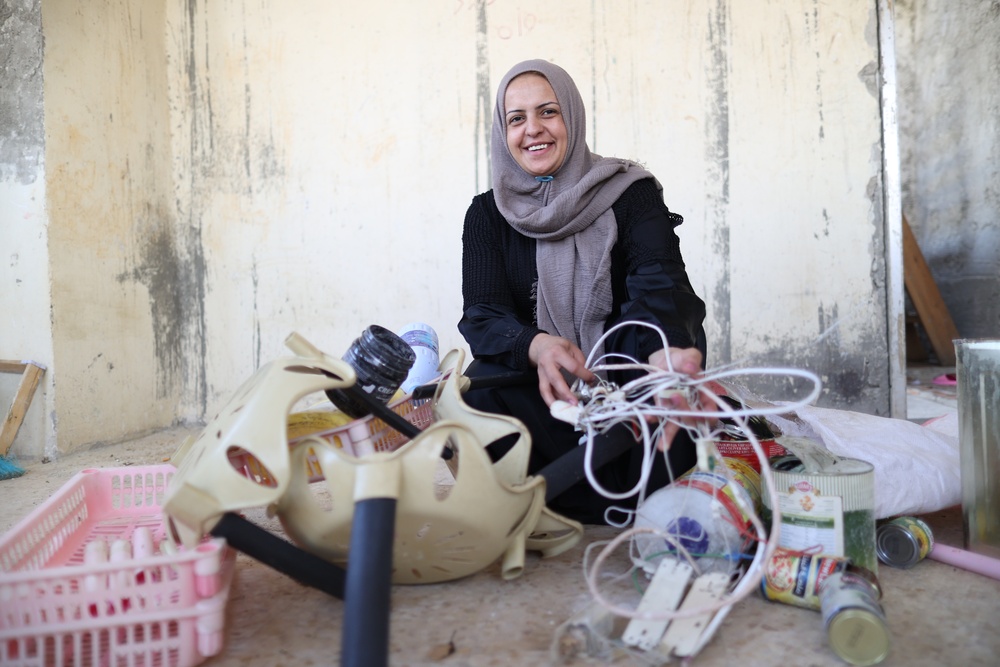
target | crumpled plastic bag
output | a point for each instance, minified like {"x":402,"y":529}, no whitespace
{"x":916,"y":466}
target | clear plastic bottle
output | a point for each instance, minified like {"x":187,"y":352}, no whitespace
{"x":424,"y":341}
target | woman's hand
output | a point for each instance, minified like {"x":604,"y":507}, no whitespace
{"x":551,"y":355}
{"x":682,"y":360}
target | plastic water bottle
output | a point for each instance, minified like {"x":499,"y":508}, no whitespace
{"x":700,"y":512}
{"x":424,"y":341}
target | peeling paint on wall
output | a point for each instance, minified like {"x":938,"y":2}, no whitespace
{"x":24,"y":271}
{"x":484,"y":100}
{"x":173,"y":274}
{"x":852,"y":375}
{"x":949,"y":117}
{"x":202,"y":145}
{"x":22,"y":126}
{"x":717,"y":158}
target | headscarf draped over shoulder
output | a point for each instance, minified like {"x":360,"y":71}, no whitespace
{"x":570,"y":216}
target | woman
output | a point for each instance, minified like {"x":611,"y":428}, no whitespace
{"x":566,"y":245}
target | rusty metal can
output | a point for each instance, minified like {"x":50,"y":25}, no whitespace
{"x":903,"y":542}
{"x":795,"y":578}
{"x":854,"y":620}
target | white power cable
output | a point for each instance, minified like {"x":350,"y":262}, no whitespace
{"x":605,"y":405}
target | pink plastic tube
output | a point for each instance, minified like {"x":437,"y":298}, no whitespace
{"x":967,"y":560}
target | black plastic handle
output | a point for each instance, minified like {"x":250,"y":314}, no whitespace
{"x":501,"y":380}
{"x":380,"y":410}
{"x":264,"y":546}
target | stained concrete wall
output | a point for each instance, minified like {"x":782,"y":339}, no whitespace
{"x":118,"y":299}
{"x":221,"y":174}
{"x":949,"y":115}
{"x":25,"y":331}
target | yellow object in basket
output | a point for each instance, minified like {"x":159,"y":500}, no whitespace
{"x":315,"y":421}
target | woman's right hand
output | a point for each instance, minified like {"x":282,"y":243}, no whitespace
{"x":551,"y":354}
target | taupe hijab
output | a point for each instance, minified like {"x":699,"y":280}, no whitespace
{"x":569,"y":215}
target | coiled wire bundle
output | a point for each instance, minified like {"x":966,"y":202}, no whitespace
{"x":653,"y":406}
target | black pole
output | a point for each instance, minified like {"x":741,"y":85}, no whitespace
{"x":568,"y":469}
{"x":514,"y":379}
{"x":264,"y":546}
{"x":365,"y":633}
{"x":382,"y":411}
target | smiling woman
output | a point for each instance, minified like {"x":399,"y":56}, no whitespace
{"x":536,"y":133}
{"x":565,"y":246}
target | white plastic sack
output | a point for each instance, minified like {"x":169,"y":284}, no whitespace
{"x":916,"y":467}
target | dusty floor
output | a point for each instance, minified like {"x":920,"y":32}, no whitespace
{"x":937,"y":614}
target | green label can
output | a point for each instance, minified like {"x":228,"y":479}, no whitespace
{"x":855,"y":621}
{"x":903,"y":542}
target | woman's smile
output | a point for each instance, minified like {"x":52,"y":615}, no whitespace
{"x":536,"y":132}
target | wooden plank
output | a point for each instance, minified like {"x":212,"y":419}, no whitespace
{"x":11,"y":366}
{"x":926,"y":298}
{"x":915,"y":348}
{"x":19,"y":406}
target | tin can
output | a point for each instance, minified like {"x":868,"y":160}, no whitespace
{"x":786,"y":462}
{"x":854,"y":620}
{"x":744,"y":451}
{"x":381,"y":361}
{"x":903,"y":542}
{"x":794,"y":578}
{"x":830,"y":510}
{"x":867,"y":575}
{"x":746,"y":476}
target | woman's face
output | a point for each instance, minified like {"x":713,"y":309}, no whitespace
{"x":536,"y":133}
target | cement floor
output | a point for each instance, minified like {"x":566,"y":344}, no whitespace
{"x":937,"y":614}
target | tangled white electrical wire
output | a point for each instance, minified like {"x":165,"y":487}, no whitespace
{"x":640,"y":403}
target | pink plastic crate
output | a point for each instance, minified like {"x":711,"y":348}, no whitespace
{"x":158,"y":610}
{"x":371,"y":434}
{"x":358,"y":438}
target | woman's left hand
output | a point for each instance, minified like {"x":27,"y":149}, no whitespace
{"x":682,"y":360}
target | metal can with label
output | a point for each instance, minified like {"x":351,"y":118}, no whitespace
{"x":855,"y":622}
{"x":903,"y":542}
{"x":795,"y":578}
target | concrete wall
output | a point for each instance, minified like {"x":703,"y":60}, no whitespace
{"x":118,"y":301}
{"x":221,"y":174}
{"x":949,"y":115}
{"x":25,"y":331}
{"x":767,"y":140}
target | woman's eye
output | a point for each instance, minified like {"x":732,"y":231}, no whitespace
{"x":514,"y":120}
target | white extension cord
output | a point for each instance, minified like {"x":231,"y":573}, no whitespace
{"x":636,"y":403}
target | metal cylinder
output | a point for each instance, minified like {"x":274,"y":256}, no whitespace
{"x":832,"y":508}
{"x":978,"y":378}
{"x":381,"y":360}
{"x":903,"y":541}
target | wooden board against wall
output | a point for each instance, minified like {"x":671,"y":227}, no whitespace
{"x":926,"y":298}
{"x":30,"y":373}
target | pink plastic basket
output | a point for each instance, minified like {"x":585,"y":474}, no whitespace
{"x":358,"y":438}
{"x":371,"y":434}
{"x":155,"y":610}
